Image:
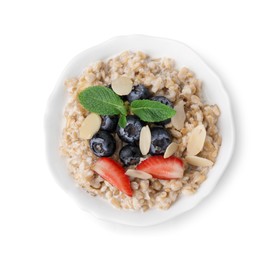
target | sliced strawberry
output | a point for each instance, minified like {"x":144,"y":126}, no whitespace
{"x":114,"y":173}
{"x":163,"y":168}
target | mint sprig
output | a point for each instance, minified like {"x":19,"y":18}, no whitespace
{"x":151,"y":111}
{"x":122,"y":122}
{"x":102,"y":100}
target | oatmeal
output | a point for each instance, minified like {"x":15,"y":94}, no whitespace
{"x":186,"y":144}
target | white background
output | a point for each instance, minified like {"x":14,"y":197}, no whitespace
{"x":236,"y":38}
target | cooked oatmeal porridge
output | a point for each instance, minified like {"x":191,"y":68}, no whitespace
{"x":155,"y":162}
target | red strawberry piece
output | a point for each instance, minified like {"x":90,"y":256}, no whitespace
{"x":113,"y":173}
{"x":163,"y":168}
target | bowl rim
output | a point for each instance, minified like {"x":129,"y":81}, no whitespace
{"x":57,"y":87}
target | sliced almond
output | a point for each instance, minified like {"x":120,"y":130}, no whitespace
{"x":170,"y":150}
{"x":122,"y":86}
{"x":138,"y":174}
{"x":145,"y":140}
{"x":178,"y":120}
{"x":198,"y":161}
{"x":90,"y":126}
{"x":196,"y":140}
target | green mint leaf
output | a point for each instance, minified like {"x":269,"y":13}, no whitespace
{"x":151,"y":111}
{"x":102,"y":100}
{"x":122,"y":122}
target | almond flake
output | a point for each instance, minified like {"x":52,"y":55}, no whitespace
{"x":170,"y":150}
{"x":90,"y":126}
{"x":138,"y":174}
{"x":122,"y":86}
{"x":196,"y":140}
{"x":198,"y":161}
{"x":178,"y":120}
{"x":145,"y":140}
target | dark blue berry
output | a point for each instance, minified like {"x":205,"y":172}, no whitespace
{"x":164,"y":101}
{"x":129,"y":155}
{"x":102,"y":144}
{"x":130,"y":133}
{"x":160,"y":139}
{"x":138,"y":92}
{"x":109,"y":123}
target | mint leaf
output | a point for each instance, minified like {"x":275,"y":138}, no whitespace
{"x":151,"y":111}
{"x":122,"y":122}
{"x":102,"y":100}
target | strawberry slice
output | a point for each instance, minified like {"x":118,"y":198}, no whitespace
{"x":163,"y":168}
{"x":114,"y":173}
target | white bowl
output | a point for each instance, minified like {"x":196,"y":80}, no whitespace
{"x":214,"y":93}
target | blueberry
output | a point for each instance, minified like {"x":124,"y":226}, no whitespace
{"x":138,"y":92}
{"x":130,"y":133}
{"x":164,"y":101}
{"x":160,"y":139}
{"x":109,"y":123}
{"x":129,"y":155}
{"x":102,"y":144}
